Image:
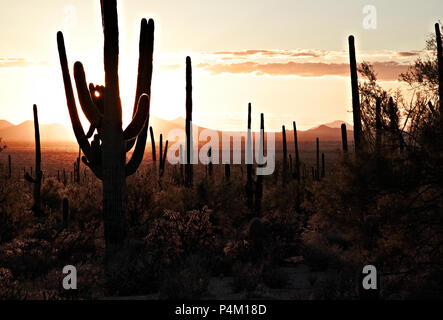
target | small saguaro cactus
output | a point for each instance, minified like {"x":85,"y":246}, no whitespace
{"x":440,"y":68}
{"x":188,"y":166}
{"x":344,"y":138}
{"x":163,"y":154}
{"x":297,"y":158}
{"x":154,"y":156}
{"x":285,"y":156}
{"x":106,"y":154}
{"x":355,"y":95}
{"x":249,"y":168}
{"x":259,"y":182}
{"x":317,"y":173}
{"x":37,"y":180}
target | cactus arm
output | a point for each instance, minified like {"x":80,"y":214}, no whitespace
{"x":144,"y":76}
{"x":90,"y":110}
{"x":75,"y":121}
{"x":29,"y":178}
{"x":139,"y":120}
{"x":137,"y":155}
{"x":97,"y":99}
{"x":95,"y":168}
{"x":90,"y":131}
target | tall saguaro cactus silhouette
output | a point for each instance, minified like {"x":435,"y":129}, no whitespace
{"x":188,"y":166}
{"x":37,"y":180}
{"x":106,"y":154}
{"x":355,"y":95}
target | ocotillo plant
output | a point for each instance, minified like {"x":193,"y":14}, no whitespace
{"x":249,"y":168}
{"x":317,"y":173}
{"x":188,"y":166}
{"x":154,"y":156}
{"x":37,"y":180}
{"x":440,"y":69}
{"x":297,"y":158}
{"x":355,"y":95}
{"x":344,"y":138}
{"x":285,"y":156}
{"x":106,"y":154}
{"x":259,"y":183}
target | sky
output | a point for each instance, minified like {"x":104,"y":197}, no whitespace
{"x":287,"y":57}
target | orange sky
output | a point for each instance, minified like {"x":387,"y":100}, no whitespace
{"x":289,"y":58}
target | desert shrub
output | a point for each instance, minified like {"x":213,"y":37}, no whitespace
{"x":190,"y":282}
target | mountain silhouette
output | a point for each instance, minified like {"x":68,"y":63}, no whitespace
{"x":56,"y":132}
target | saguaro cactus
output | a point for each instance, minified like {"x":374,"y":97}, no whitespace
{"x":317,"y":173}
{"x":154,"y":156}
{"x":249,"y":168}
{"x":106,"y":154}
{"x":297,"y":158}
{"x":344,"y":138}
{"x":37,"y":180}
{"x":259,"y":183}
{"x":285,"y":156}
{"x":188,"y":166}
{"x":440,"y":69}
{"x":355,"y":95}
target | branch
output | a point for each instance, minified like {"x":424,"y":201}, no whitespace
{"x":139,"y":120}
{"x":75,"y":121}
{"x":90,"y":110}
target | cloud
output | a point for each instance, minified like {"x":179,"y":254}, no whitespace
{"x":19,"y":63}
{"x":408,"y":53}
{"x":265,"y":52}
{"x":387,"y":71}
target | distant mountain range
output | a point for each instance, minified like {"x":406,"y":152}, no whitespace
{"x":24,"y":132}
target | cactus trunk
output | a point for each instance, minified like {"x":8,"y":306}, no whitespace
{"x":297,"y":159}
{"x":188,"y":166}
{"x":285,"y":157}
{"x":355,"y":96}
{"x":259,"y":183}
{"x":344,"y":138}
{"x":249,"y":168}
{"x":317,"y":173}
{"x":37,"y":180}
